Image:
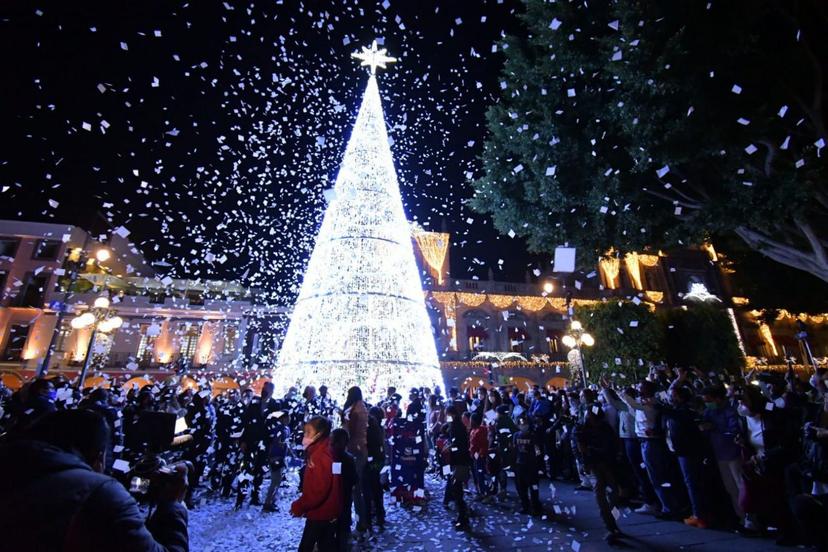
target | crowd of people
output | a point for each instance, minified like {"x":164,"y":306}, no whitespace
{"x":733,"y":453}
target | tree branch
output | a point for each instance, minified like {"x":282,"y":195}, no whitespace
{"x":813,"y":239}
{"x":782,"y":253}
{"x":689,"y":205}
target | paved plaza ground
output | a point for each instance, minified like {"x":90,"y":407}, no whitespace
{"x":215,"y":526}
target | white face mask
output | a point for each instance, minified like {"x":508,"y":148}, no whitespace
{"x":308,"y":441}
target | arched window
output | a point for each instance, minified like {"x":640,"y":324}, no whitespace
{"x":518,"y":332}
{"x":477,"y":331}
{"x":552,"y":330}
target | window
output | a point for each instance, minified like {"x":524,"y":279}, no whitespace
{"x":146,"y":346}
{"x":517,"y":338}
{"x":553,"y":339}
{"x":231,"y":338}
{"x":63,"y":338}
{"x":477,"y":337}
{"x":15,"y":341}
{"x":189,"y":340}
{"x":651,"y":280}
{"x":33,"y":290}
{"x":8,"y":247}
{"x":4,"y":276}
{"x":470,"y":285}
{"x":510,"y":288}
{"x":157,"y":298}
{"x":46,"y":250}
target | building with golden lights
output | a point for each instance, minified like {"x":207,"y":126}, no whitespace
{"x":486,"y":330}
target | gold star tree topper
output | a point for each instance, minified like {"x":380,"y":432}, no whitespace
{"x":373,"y":57}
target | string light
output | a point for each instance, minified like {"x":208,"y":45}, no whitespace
{"x":433,"y":246}
{"x":361,"y":318}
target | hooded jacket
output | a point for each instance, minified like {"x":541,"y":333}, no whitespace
{"x":51,"y":499}
{"x":321,"y":498}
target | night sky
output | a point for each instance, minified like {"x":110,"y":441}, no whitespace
{"x":210,"y":129}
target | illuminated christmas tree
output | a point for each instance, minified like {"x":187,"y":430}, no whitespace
{"x":361,"y":318}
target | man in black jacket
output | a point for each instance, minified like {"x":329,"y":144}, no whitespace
{"x":685,"y":439}
{"x":258,"y":419}
{"x":53,"y":496}
{"x":459,"y":466}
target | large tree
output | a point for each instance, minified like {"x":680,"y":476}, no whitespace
{"x":631,"y":124}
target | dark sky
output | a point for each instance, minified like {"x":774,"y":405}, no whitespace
{"x":210,"y":129}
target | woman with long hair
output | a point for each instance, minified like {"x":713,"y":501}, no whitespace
{"x":355,"y":421}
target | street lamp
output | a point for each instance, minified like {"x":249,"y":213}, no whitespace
{"x":576,"y":339}
{"x":103,"y":254}
{"x":101,"y":319}
{"x":548,"y":287}
{"x":75,"y":262}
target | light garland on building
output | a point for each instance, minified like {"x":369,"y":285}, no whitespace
{"x":767,"y":337}
{"x":501,"y":302}
{"x":471,"y":299}
{"x":433,"y":246}
{"x":530,"y":303}
{"x":610,"y":268}
{"x":361,"y":318}
{"x":698,"y":292}
{"x":633,"y":269}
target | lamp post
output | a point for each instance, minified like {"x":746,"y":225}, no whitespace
{"x":802,"y":336}
{"x":75,"y":267}
{"x":576,"y":339}
{"x":101,"y":319}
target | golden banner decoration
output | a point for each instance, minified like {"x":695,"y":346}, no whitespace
{"x":433,"y":246}
{"x":610,"y":268}
{"x":633,"y":269}
{"x":767,"y":337}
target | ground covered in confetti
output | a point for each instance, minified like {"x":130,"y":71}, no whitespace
{"x":571,"y":523}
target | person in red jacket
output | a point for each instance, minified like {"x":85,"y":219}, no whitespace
{"x":478,"y":448}
{"x":321,"y":499}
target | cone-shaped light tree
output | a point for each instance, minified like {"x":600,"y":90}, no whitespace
{"x":361,"y":318}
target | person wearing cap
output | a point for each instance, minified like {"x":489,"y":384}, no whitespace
{"x":527,"y":465}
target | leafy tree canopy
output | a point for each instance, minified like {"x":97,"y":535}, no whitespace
{"x":701,"y":336}
{"x":627,"y":337}
{"x":635,"y":124}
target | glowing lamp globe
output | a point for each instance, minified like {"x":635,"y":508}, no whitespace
{"x":116,"y":322}
{"x":77,"y":323}
{"x":101,"y":302}
{"x":569,"y":341}
{"x":576,"y":325}
{"x":587,"y":340}
{"x":86,"y":319}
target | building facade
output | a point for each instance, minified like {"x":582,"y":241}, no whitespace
{"x":486,"y":330}
{"x":168,"y":324}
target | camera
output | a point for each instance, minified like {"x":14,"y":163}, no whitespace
{"x":157,"y":472}
{"x":153,"y":476}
